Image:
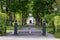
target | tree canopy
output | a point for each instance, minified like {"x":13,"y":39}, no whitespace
{"x":37,"y":7}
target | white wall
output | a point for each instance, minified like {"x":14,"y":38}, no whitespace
{"x":32,"y":19}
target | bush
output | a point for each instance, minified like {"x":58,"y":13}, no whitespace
{"x":57,"y":25}
{"x":49,"y":19}
{"x":2,"y":22}
{"x":49,"y":22}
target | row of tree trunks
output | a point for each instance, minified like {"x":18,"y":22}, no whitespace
{"x":23,"y":20}
{"x":11,"y":19}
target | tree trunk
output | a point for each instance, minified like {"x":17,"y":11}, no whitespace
{"x":14,"y":17}
{"x":22,"y":19}
{"x":53,"y":27}
{"x":37,"y":21}
{"x":10,"y":18}
{"x":41,"y":22}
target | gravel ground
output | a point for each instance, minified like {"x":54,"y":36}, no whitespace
{"x":26,"y":38}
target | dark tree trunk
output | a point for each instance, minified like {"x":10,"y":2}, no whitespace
{"x":37,"y":20}
{"x":22,"y":19}
{"x":53,"y":27}
{"x":41,"y":21}
{"x":14,"y":17}
{"x":10,"y":17}
{"x":25,"y":21}
{"x":11,"y":20}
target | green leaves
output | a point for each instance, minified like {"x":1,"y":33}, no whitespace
{"x":38,"y":6}
{"x":42,"y":6}
{"x":3,"y":18}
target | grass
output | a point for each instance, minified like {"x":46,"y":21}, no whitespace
{"x":57,"y":34}
{"x":48,"y":29}
{"x":38,"y":27}
{"x":12,"y":27}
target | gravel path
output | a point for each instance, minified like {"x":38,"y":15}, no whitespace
{"x":25,"y":38}
{"x":29,"y":33}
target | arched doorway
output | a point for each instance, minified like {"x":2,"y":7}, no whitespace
{"x":30,"y":21}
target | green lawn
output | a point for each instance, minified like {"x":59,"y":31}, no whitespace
{"x":50,"y":30}
{"x":57,"y":34}
{"x":12,"y":27}
{"x":38,"y":27}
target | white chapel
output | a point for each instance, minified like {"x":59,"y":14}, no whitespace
{"x":31,"y":20}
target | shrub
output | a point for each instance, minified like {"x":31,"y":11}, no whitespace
{"x":57,"y":23}
{"x":2,"y":22}
{"x":49,"y":19}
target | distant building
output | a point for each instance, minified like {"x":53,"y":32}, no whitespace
{"x":31,"y":20}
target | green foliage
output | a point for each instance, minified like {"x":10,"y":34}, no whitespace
{"x":57,"y":23}
{"x":49,"y":22}
{"x":49,"y":30}
{"x":49,"y":18}
{"x":19,"y":18}
{"x":2,"y":18}
{"x":41,"y":7}
{"x":16,"y":5}
{"x":57,"y":35}
{"x":2,"y":22}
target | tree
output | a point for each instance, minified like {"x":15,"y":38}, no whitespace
{"x":42,"y":7}
{"x":24,"y":9}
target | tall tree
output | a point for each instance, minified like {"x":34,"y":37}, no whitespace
{"x":42,"y":7}
{"x":24,"y":8}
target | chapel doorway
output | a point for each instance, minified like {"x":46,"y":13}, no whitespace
{"x":30,"y":22}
